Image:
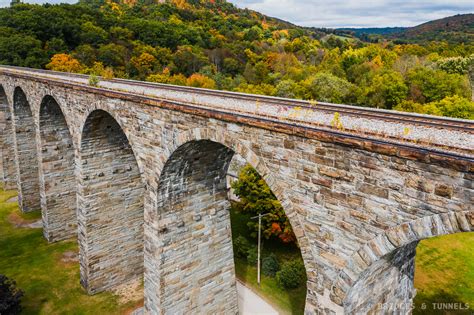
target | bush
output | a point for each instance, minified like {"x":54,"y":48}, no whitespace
{"x":252,"y":256}
{"x":93,"y":80}
{"x":10,"y":297}
{"x":241,"y":246}
{"x":292,"y":274}
{"x":270,"y":265}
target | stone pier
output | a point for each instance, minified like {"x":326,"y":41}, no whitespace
{"x":137,"y":171}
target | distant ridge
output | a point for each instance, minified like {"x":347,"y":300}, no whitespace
{"x":457,"y":28}
{"x":454,"y":29}
{"x":373,"y":30}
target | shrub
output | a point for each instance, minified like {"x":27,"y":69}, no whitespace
{"x":292,"y":274}
{"x":270,"y":265}
{"x":10,"y":296}
{"x":93,"y":80}
{"x":241,"y":246}
{"x":252,"y":256}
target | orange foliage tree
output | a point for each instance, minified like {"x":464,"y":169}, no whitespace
{"x":64,"y":63}
{"x":201,"y":81}
{"x":256,"y":197}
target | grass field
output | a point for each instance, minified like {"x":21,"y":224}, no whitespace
{"x":51,"y":286}
{"x":286,"y":301}
{"x":444,"y":273}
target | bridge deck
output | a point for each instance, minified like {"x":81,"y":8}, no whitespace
{"x":451,"y":136}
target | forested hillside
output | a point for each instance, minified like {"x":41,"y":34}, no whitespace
{"x":213,"y":44}
{"x":454,"y":29}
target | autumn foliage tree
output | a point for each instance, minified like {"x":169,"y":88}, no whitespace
{"x":256,"y":197}
{"x":64,"y":63}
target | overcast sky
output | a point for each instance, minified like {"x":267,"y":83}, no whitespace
{"x":347,"y":13}
{"x":358,"y":13}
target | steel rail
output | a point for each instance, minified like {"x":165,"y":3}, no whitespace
{"x":291,"y":125}
{"x":350,"y":110}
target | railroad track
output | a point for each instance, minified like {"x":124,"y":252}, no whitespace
{"x":345,"y":110}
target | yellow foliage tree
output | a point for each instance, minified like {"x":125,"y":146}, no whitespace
{"x":99,"y":69}
{"x":199,"y":80}
{"x":64,"y":63}
{"x":143,"y":63}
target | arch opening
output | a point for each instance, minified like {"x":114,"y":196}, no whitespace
{"x":57,"y":183}
{"x":26,"y":152}
{"x":7,"y":154}
{"x":194,"y":270}
{"x":110,"y":206}
{"x":387,"y":283}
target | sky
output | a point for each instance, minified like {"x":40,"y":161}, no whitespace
{"x":358,"y":13}
{"x":346,"y":13}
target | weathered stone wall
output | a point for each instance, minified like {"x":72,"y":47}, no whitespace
{"x":196,"y":266}
{"x":386,"y":287}
{"x":349,"y":207}
{"x":25,"y":153}
{"x":57,"y":179}
{"x":110,"y":206}
{"x":7,"y":155}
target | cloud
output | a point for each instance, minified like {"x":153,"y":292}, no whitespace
{"x":358,"y":13}
{"x":6,"y":3}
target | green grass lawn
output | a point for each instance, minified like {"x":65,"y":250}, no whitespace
{"x":50,"y":285}
{"x":286,"y":301}
{"x":444,"y":272}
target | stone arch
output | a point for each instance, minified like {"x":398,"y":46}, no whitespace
{"x":26,"y":153}
{"x":57,"y":179}
{"x":124,"y":125}
{"x":7,"y":152}
{"x":110,"y":205}
{"x":194,"y":165}
{"x":382,"y":270}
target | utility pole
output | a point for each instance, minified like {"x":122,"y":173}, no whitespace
{"x":259,"y":242}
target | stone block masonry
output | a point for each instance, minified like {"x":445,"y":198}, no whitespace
{"x":57,"y":180}
{"x":196,"y":271}
{"x":110,"y":206}
{"x":26,"y":153}
{"x":7,"y":156}
{"x":150,"y":177}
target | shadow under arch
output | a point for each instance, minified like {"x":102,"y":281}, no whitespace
{"x":57,"y":178}
{"x":7,"y":152}
{"x":110,"y":205}
{"x":380,"y":273}
{"x":192,"y":196}
{"x":26,"y":152}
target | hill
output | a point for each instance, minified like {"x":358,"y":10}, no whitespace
{"x":374,"y":30}
{"x":213,"y":44}
{"x":453,"y":29}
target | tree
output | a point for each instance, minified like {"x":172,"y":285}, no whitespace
{"x":256,"y":197}
{"x":189,"y":60}
{"x":93,"y":34}
{"x":112,"y":55}
{"x":456,"y":106}
{"x":201,"y":81}
{"x":428,"y":85}
{"x":64,"y":63}
{"x":451,"y":106}
{"x":10,"y":297}
{"x":386,"y":90}
{"x":143,"y":64}
{"x":22,"y":50}
{"x":326,"y":87}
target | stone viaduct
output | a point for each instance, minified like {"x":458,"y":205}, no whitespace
{"x":136,"y":171}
